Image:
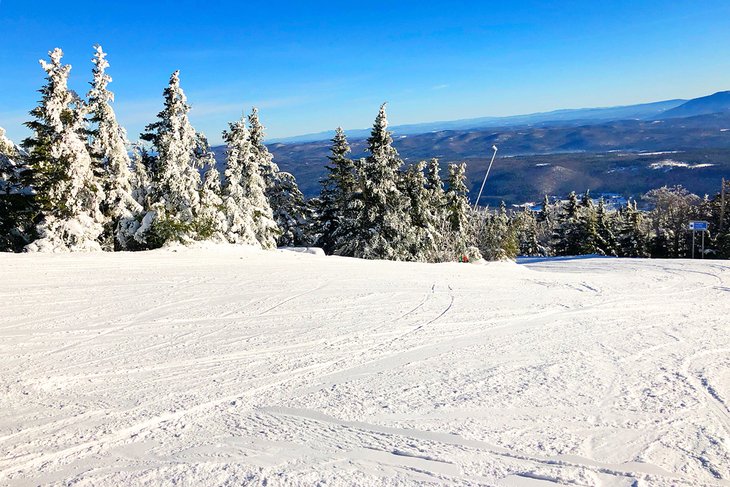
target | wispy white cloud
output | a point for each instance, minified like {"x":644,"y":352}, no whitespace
{"x":439,"y":87}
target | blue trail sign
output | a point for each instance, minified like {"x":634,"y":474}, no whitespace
{"x":698,"y":226}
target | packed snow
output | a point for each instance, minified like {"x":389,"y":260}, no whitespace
{"x":230,"y":366}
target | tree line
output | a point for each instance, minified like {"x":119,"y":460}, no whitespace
{"x":76,"y":184}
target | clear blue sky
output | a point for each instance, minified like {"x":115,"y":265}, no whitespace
{"x":310,"y":66}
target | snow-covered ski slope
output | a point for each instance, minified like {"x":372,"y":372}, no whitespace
{"x":226,"y":366}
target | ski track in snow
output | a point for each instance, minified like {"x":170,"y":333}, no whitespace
{"x":230,"y":366}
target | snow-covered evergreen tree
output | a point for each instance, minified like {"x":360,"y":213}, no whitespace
{"x":424,"y":232}
{"x":605,"y":225}
{"x":566,"y":234}
{"x":290,"y":210}
{"x":110,"y":160}
{"x":496,"y":235}
{"x":15,"y":197}
{"x":66,"y":193}
{"x":211,"y":220}
{"x":380,"y":228}
{"x":250,"y":220}
{"x":237,"y":207}
{"x":173,"y":172}
{"x":526,"y":230}
{"x":457,"y":206}
{"x":338,"y":186}
{"x":631,"y":236}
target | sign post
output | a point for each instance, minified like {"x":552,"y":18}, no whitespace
{"x":698,"y":226}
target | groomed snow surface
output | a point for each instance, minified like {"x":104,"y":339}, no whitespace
{"x":230,"y":366}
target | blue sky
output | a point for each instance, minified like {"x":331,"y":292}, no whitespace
{"x":311,"y":66}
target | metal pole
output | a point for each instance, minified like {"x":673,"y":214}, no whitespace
{"x":693,"y":243}
{"x":703,"y":245}
{"x":476,"y":203}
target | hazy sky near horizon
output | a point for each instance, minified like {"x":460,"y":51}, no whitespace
{"x":311,"y":66}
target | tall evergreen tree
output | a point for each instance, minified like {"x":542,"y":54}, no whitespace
{"x":544,"y":216}
{"x":605,"y":226}
{"x":380,"y":228}
{"x":66,"y":192}
{"x":173,"y":171}
{"x":241,"y":147}
{"x":291,"y":213}
{"x":15,"y":197}
{"x":457,"y":207}
{"x":238,"y":209}
{"x":527,"y":234}
{"x":631,"y":236}
{"x":211,"y":220}
{"x":110,"y":160}
{"x":337,"y":188}
{"x":566,"y":235}
{"x":424,"y":232}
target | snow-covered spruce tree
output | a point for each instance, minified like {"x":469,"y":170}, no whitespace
{"x":545,"y":226}
{"x":211,"y":222}
{"x":673,"y":208}
{"x":239,"y":211}
{"x":631,"y":235}
{"x":337,"y":188}
{"x":424,"y":235}
{"x":586,"y":237}
{"x":66,"y":193}
{"x":110,"y":159}
{"x":496,"y":235}
{"x":174,"y":173}
{"x":290,"y":210}
{"x":380,"y":229}
{"x":436,"y":206}
{"x":526,"y":230}
{"x":605,"y":224}
{"x":250,"y":220}
{"x":720,"y":220}
{"x":140,"y":180}
{"x":15,"y":197}
{"x":566,"y":229}
{"x":457,"y":208}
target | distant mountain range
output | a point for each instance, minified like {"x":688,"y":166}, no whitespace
{"x":623,"y":150}
{"x":662,"y":109}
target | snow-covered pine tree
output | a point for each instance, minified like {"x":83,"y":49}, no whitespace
{"x":457,"y":208}
{"x":545,"y":214}
{"x":173,"y":171}
{"x":721,"y":220}
{"x":424,"y":235}
{"x":527,"y":234}
{"x":110,"y":160}
{"x":267,"y":167}
{"x":250,"y":219}
{"x":380,"y":228}
{"x":337,"y":188}
{"x":140,"y":180}
{"x":632,"y":239}
{"x":211,"y":220}
{"x":15,"y":197}
{"x":66,"y":193}
{"x":585,"y":236}
{"x":566,"y":238}
{"x":605,"y":223}
{"x":290,"y":210}
{"x":238,"y":209}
